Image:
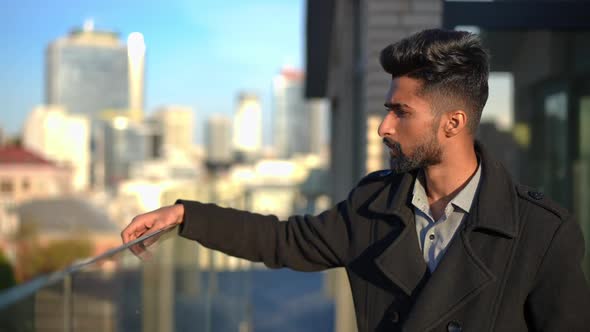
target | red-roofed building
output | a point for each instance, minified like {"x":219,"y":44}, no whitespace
{"x":25,"y":175}
{"x":292,"y":74}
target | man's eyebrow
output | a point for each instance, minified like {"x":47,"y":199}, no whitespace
{"x":396,"y":106}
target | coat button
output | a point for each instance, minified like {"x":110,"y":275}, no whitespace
{"x":536,"y":195}
{"x":394,"y":317}
{"x":454,"y":326}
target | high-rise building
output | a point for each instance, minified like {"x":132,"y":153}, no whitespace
{"x":219,"y":140}
{"x":175,"y":124}
{"x":319,"y":125}
{"x":62,"y":138}
{"x":290,"y":115}
{"x":126,"y":142}
{"x":300,"y":125}
{"x":247,"y":135}
{"x":136,"y":61}
{"x":88,"y":72}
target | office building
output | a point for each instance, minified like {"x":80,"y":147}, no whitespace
{"x":136,"y":65}
{"x":62,"y":138}
{"x":126,"y":142}
{"x":87,"y":72}
{"x":247,"y":133}
{"x":175,"y":125}
{"x":219,"y":140}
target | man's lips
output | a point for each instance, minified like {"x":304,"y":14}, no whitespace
{"x":389,"y":144}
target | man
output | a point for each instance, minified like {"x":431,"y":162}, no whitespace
{"x":445,"y":241}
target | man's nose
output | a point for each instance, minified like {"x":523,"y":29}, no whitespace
{"x":387,"y":126}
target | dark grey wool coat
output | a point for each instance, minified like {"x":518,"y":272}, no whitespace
{"x":514,"y":265}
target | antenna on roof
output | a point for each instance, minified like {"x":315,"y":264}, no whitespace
{"x":89,"y":24}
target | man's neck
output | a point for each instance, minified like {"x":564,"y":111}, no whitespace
{"x":443,"y":181}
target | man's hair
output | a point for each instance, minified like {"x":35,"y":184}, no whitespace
{"x":451,"y":65}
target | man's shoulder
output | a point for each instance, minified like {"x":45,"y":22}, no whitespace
{"x":375,"y":182}
{"x":541,"y":203}
{"x":377,"y":176}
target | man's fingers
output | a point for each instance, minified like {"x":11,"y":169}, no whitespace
{"x":136,"y":228}
{"x":146,"y":224}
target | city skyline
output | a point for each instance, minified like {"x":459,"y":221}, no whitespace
{"x":198,"y":54}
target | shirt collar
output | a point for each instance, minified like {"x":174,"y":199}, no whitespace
{"x":462,"y":200}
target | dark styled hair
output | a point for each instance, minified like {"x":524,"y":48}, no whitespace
{"x":452,"y":65}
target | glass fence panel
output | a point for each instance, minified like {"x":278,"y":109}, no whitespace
{"x":177,"y":286}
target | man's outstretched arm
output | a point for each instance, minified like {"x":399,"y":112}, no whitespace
{"x":305,"y":243}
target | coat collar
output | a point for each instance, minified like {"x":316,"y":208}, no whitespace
{"x":496,"y":193}
{"x":461,"y":274}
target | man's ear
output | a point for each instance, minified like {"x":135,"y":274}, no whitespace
{"x":455,"y":122}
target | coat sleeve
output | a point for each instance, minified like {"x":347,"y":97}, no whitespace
{"x":560,"y":299}
{"x":303,"y":243}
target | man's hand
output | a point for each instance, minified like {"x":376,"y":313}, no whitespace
{"x":151,"y":222}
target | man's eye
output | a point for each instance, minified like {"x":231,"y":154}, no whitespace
{"x":400,"y":113}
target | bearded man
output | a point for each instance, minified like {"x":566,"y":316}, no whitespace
{"x":445,"y":240}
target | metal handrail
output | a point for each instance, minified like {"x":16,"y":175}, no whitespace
{"x":19,"y":292}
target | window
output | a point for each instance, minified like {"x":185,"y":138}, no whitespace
{"x":6,"y":186}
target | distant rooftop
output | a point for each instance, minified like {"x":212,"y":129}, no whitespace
{"x":292,"y":73}
{"x":20,"y":155}
{"x":69,"y":214}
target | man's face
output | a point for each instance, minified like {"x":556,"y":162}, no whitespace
{"x":410,"y":128}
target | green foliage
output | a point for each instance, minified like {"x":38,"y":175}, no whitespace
{"x":58,"y":254}
{"x":6,"y":273}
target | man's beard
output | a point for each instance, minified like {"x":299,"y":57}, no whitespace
{"x":426,"y":153}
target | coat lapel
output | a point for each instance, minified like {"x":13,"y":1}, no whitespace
{"x":462,"y":274}
{"x":401,"y":261}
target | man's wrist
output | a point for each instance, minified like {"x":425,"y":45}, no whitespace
{"x":179,"y":209}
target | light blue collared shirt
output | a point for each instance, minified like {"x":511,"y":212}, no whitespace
{"x":435,"y":236}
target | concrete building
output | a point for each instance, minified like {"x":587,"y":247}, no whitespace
{"x":25,"y":176}
{"x":300,"y":126}
{"x":62,"y":138}
{"x":319,"y":126}
{"x":125,"y":142}
{"x":175,"y":124}
{"x":545,"y":52}
{"x":290,"y":114}
{"x":247,"y":133}
{"x":218,"y":140}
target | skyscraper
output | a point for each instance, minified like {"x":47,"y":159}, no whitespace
{"x":136,"y":61}
{"x":319,"y":125}
{"x":126,"y":142}
{"x":219,"y":140}
{"x":288,"y":111}
{"x":88,"y":72}
{"x":300,"y":126}
{"x":175,"y":123}
{"x":247,"y":135}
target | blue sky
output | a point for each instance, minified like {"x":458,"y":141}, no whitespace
{"x":200,"y":53}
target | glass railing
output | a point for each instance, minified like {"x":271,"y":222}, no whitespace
{"x":169,"y":291}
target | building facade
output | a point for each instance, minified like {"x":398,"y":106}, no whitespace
{"x":218,"y":140}
{"x":87,"y":72}
{"x":175,"y":124}
{"x":62,"y":138}
{"x":247,"y":131}
{"x":535,"y":118}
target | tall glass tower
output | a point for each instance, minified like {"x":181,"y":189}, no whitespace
{"x":88,"y":72}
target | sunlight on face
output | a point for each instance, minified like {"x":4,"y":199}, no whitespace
{"x":409,"y":129}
